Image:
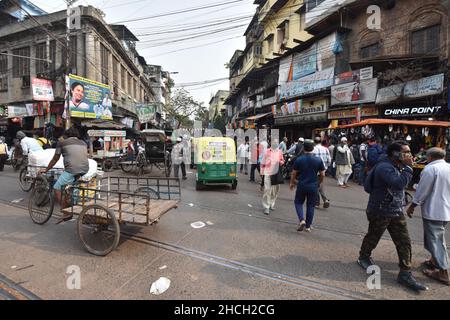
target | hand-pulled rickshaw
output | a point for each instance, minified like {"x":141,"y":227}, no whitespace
{"x":157,"y":148}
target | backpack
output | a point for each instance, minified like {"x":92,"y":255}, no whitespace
{"x":45,"y":143}
{"x":368,"y":184}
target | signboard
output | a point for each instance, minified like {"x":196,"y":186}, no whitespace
{"x":354,"y":76}
{"x":107,"y":133}
{"x":17,"y":112}
{"x":300,"y":119}
{"x":89,"y":99}
{"x":305,"y":63}
{"x":411,"y":111}
{"x":42,"y":90}
{"x":354,"y":92}
{"x":309,"y":84}
{"x":353,"y":113}
{"x":145,"y":112}
{"x":217,"y":151}
{"x":390,"y":94}
{"x":425,"y":87}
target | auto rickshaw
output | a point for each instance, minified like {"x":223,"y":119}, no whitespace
{"x":216,"y":162}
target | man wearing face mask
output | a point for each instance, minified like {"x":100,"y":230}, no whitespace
{"x":386,"y":185}
{"x":270,"y":165}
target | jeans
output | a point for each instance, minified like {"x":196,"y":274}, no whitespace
{"x":176,"y":169}
{"x":252,"y":171}
{"x":362,"y":173}
{"x":3,"y":158}
{"x":311,"y":198}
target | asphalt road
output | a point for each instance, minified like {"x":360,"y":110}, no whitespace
{"x":239,"y":254}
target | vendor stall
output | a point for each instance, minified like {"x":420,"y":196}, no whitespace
{"x":420,"y":134}
{"x":111,"y":145}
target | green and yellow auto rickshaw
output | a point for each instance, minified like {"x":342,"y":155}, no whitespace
{"x":216,"y":162}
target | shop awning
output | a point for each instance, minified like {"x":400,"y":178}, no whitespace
{"x":420,"y":123}
{"x":259,"y":116}
{"x":103,"y":124}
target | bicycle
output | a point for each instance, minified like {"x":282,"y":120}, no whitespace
{"x":25,"y":180}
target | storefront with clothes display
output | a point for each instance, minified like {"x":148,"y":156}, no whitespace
{"x":300,"y":118}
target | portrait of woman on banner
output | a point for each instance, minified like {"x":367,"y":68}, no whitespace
{"x":77,"y":97}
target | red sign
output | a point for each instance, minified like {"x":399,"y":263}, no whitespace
{"x":42,"y":90}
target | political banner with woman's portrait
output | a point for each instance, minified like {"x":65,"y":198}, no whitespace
{"x":89,"y":99}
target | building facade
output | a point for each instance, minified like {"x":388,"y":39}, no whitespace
{"x":97,"y":51}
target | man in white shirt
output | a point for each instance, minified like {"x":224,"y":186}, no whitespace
{"x":243,"y":155}
{"x":28,"y":144}
{"x":323,"y":153}
{"x":432,"y":195}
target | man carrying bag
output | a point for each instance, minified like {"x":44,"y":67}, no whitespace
{"x":271,"y":171}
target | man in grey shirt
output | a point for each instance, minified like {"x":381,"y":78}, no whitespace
{"x":76,"y":163}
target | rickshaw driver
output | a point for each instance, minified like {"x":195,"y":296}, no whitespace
{"x":76,"y":165}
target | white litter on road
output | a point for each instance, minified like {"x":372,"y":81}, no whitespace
{"x":190,"y":204}
{"x":13,"y":267}
{"x":250,"y":206}
{"x":17,"y":200}
{"x":198,"y":225}
{"x":209,"y":223}
{"x":250,"y":215}
{"x":163,"y":267}
{"x":160,"y":286}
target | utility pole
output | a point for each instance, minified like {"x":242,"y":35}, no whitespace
{"x":68,"y":52}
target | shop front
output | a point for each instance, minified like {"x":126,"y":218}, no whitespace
{"x":352,"y":114}
{"x":300,"y":118}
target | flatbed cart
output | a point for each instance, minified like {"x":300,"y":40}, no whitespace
{"x":116,"y":201}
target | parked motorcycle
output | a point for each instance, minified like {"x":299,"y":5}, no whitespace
{"x":286,"y":171}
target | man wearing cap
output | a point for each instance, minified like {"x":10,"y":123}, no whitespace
{"x":28,"y":144}
{"x":323,"y":154}
{"x":344,"y":163}
{"x":178,"y":159}
{"x":298,"y":148}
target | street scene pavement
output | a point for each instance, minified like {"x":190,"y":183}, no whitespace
{"x":239,"y":253}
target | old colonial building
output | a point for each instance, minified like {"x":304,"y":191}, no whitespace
{"x":97,"y":51}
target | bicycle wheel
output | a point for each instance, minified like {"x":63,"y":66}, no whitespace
{"x":25,"y":181}
{"x":98,"y":229}
{"x":126,"y":166}
{"x":41,"y":204}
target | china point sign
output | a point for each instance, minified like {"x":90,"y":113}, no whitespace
{"x":412,"y":111}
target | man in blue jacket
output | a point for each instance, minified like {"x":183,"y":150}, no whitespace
{"x":386,"y":185}
{"x":373,"y":154}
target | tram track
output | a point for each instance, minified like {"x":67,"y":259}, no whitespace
{"x":303,"y":283}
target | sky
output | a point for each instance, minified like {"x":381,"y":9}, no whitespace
{"x":204,"y":60}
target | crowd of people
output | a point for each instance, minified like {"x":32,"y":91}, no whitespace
{"x":385,"y":171}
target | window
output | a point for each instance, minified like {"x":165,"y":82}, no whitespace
{"x":130,"y":85}
{"x":3,"y":72}
{"x":426,"y":41}
{"x":311,"y":4}
{"x":115,"y":76}
{"x":41,"y":53}
{"x":283,"y":33}
{"x":53,"y":55}
{"x":73,"y":51}
{"x":104,"y":62}
{"x":258,"y":50}
{"x":270,"y":44}
{"x":370,"y":51}
{"x":135,"y":89}
{"x":21,"y":66}
{"x":123,"y":79}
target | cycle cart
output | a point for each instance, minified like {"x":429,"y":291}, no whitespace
{"x":157,"y":152}
{"x":111,"y":156}
{"x":116,"y":201}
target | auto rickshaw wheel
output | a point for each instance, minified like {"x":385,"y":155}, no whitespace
{"x":199,"y":185}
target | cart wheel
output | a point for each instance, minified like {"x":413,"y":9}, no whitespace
{"x":108,"y":165}
{"x":127,"y":166}
{"x":99,"y":230}
{"x":41,"y":203}
{"x":25,"y":181}
{"x":234,"y":185}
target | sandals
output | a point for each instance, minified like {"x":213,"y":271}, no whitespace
{"x":435,"y":274}
{"x":429,"y":264}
